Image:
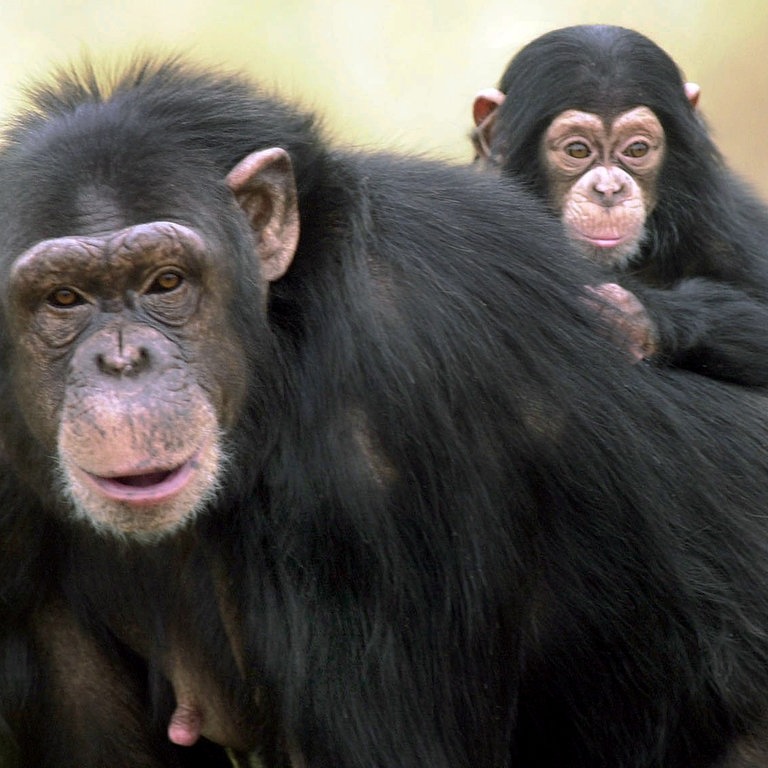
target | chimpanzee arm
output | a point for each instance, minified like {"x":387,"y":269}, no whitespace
{"x":709,"y":327}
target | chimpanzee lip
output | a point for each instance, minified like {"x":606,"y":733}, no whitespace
{"x":146,"y":487}
{"x":604,"y":242}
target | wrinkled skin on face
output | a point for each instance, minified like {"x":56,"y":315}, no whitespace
{"x":113,"y":328}
{"x":128,"y":367}
{"x":601,"y":176}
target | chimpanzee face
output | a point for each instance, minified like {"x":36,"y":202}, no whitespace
{"x":126,"y":363}
{"x":601,"y":177}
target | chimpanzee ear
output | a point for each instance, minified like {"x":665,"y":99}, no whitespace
{"x":264,"y":185}
{"x":484,"y":114}
{"x":486,"y":102}
{"x":692,"y":93}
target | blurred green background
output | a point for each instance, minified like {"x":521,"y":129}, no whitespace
{"x":401,"y":74}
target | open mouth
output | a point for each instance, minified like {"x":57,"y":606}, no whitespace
{"x":145,"y":480}
{"x":143,"y":488}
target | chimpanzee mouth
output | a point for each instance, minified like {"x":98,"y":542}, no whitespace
{"x":602,"y":242}
{"x":144,"y":488}
{"x":144,"y":481}
{"x":606,"y":242}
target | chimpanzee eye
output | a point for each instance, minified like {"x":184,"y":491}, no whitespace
{"x":166,"y":282}
{"x":577,"y":150}
{"x":637,"y":149}
{"x":65,"y":297}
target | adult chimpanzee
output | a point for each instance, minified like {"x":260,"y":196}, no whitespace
{"x":342,"y":444}
{"x":598,"y":122}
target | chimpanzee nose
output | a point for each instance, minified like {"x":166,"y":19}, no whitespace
{"x":118,"y":355}
{"x":130,"y":361}
{"x":609,"y":186}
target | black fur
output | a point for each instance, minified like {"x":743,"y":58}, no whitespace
{"x":703,"y":272}
{"x":458,"y":528}
{"x":77,"y":698}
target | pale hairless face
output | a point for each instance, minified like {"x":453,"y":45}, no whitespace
{"x":601,"y":177}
